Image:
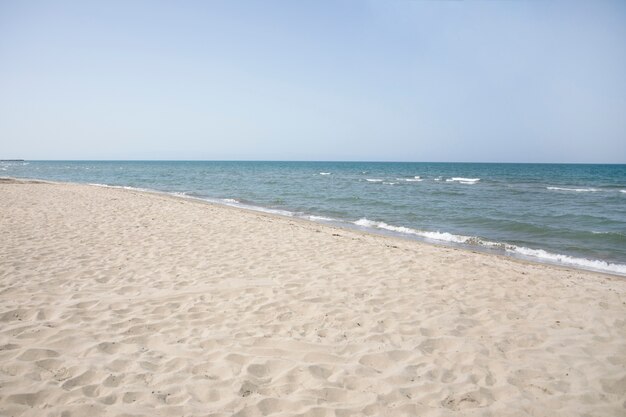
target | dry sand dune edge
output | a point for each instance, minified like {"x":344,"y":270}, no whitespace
{"x":118,"y":302}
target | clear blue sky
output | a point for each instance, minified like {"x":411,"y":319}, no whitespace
{"x":495,"y":81}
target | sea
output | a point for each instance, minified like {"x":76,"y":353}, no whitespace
{"x":567,"y":214}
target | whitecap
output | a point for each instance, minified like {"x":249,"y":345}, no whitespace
{"x":324,"y":173}
{"x":373,"y":180}
{"x":578,"y":190}
{"x":595,"y":232}
{"x":462,"y":180}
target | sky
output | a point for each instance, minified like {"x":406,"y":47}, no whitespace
{"x":473,"y":81}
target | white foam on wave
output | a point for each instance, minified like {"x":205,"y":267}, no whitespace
{"x":236,"y":203}
{"x":461,"y":180}
{"x":443,"y":236}
{"x":373,"y":180}
{"x":569,"y":260}
{"x":126,"y":187}
{"x":578,"y":190}
{"x":321,"y":218}
{"x":599,"y":232}
{"x":390,"y":183}
{"x":324,"y":173}
{"x":622,"y":191}
{"x":414,"y":179}
{"x":538,"y":254}
{"x":269,"y":210}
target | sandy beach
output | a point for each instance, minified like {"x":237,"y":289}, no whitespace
{"x":124,"y":303}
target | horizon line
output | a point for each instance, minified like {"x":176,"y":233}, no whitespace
{"x":308,"y":160}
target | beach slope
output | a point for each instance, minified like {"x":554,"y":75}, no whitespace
{"x":119,"y":302}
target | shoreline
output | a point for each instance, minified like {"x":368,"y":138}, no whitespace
{"x":347,"y":225}
{"x":122,"y":302}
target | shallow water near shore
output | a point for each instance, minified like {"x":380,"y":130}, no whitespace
{"x":573,"y":215}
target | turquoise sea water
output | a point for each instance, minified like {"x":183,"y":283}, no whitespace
{"x":574,"y":215}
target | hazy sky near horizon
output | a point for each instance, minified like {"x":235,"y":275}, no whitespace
{"x":492,"y":81}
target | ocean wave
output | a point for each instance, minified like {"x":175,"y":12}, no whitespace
{"x":444,"y":236}
{"x":269,"y":210}
{"x":595,"y":232}
{"x":569,"y":260}
{"x":389,"y":183}
{"x":373,"y":180}
{"x":236,"y":203}
{"x":622,"y":191}
{"x":320,"y":218}
{"x":462,"y":180}
{"x":126,"y":187}
{"x":538,"y":254}
{"x":578,"y":190}
{"x":325,"y":173}
{"x":414,"y":179}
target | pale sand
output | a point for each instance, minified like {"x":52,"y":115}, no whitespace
{"x":117,"y":302}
